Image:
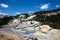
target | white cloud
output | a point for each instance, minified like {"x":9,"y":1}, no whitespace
{"x":44,"y":6}
{"x":57,"y":6}
{"x":4,"y":5}
{"x":18,"y":13}
{"x":2,"y":13}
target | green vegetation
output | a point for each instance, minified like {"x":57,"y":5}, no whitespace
{"x":32,"y":38}
{"x":53,"y":20}
{"x":5,"y":20}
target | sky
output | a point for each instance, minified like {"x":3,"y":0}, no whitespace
{"x":14,"y":7}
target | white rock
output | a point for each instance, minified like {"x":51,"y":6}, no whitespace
{"x":37,"y":33}
{"x":55,"y":33}
{"x":37,"y":28}
{"x":16,"y":21}
{"x":45,"y":28}
{"x":31,"y":17}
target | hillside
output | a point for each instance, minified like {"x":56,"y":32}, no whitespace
{"x":49,"y":17}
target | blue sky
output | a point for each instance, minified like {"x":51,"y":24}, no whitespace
{"x":13,"y":7}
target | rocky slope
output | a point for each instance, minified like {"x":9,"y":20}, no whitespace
{"x":42,"y":32}
{"x":8,"y":36}
{"x":43,"y":25}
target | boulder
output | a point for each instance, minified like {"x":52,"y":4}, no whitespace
{"x":45,"y":28}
